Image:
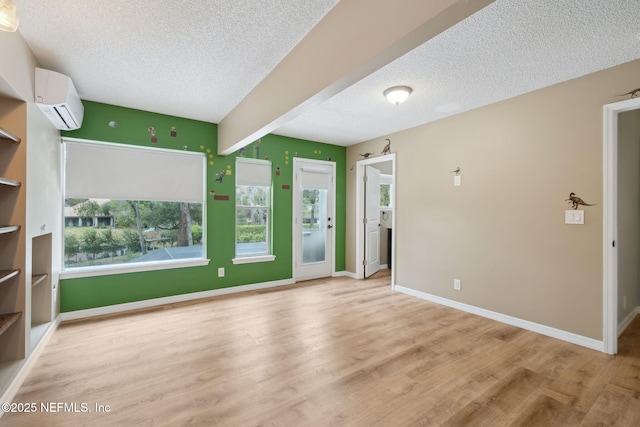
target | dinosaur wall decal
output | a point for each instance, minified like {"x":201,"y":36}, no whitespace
{"x":576,"y":201}
{"x":634,"y":93}
{"x":387,"y":148}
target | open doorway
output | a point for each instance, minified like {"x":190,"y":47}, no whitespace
{"x":620,"y":234}
{"x":383,"y":219}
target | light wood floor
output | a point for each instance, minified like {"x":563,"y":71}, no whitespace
{"x":326,"y":353}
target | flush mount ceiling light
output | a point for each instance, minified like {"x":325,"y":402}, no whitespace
{"x":8,"y":17}
{"x":397,"y":94}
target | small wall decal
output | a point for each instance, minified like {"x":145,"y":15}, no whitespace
{"x":266,"y":157}
{"x":286,"y":187}
{"x":220,"y":176}
{"x":328,"y":159}
{"x":366,"y":155}
{"x":113,"y":124}
{"x":220,"y":197}
{"x":212,"y":192}
{"x":277,"y":170}
{"x":457,"y":171}
{"x":387,"y":148}
{"x":228,"y":171}
{"x":633,"y":94}
{"x":576,"y":201}
{"x":152,"y":131}
{"x":185,"y":147}
{"x":173,"y":132}
{"x":242,"y":151}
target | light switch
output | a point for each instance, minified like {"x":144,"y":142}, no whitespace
{"x":574,"y":217}
{"x":456,"y":181}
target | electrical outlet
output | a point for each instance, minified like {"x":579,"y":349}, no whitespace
{"x":456,"y":284}
{"x":221,"y":272}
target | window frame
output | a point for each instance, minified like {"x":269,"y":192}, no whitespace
{"x":109,"y":269}
{"x":257,"y":167}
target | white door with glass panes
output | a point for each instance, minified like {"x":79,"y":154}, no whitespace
{"x":314,"y":218}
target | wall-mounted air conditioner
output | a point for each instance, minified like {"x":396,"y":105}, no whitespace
{"x":57,"y":98}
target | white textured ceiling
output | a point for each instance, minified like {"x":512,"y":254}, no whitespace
{"x":192,"y":58}
{"x":198,"y":59}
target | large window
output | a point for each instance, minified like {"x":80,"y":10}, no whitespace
{"x":253,"y":210}
{"x":125,"y":206}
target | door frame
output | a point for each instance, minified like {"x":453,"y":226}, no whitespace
{"x":610,"y":222}
{"x":294,"y":245}
{"x":360,"y":167}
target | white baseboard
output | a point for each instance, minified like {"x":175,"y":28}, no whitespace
{"x":24,"y":370}
{"x":510,"y":320}
{"x":344,"y":273}
{"x":623,"y":325}
{"x":118,"y":308}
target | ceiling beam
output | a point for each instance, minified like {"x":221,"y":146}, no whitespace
{"x":356,"y":38}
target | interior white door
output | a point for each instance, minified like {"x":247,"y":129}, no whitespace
{"x":314,"y":219}
{"x":371,"y":221}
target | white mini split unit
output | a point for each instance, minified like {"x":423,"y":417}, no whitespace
{"x":57,"y":98}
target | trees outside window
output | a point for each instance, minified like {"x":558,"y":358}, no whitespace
{"x":133,"y":231}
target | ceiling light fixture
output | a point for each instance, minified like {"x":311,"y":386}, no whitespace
{"x":397,"y":94}
{"x":8,"y":18}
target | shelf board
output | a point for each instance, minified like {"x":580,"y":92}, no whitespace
{"x":9,"y":182}
{"x":8,"y":274}
{"x":9,"y":228}
{"x":6,"y":135}
{"x":36,"y":279}
{"x":7,"y":320}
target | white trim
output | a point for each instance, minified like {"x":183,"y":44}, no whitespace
{"x":610,"y":223}
{"x":344,"y":273}
{"x":252,"y":259}
{"x":509,"y":320}
{"x":131,"y":268}
{"x":360,"y":213}
{"x":627,"y":321}
{"x":28,"y":364}
{"x":119,"y":308}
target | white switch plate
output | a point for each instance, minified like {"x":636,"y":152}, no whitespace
{"x":221,"y":272}
{"x":457,"y":181}
{"x":456,"y":284}
{"x":574,"y":217}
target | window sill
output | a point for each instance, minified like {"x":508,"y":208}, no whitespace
{"x":130,"y":268}
{"x":252,"y":259}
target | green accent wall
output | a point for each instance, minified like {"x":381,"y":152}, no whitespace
{"x":133,"y":128}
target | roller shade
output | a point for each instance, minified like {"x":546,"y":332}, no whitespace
{"x":318,"y":179}
{"x":122,"y":172}
{"x":253,"y":172}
